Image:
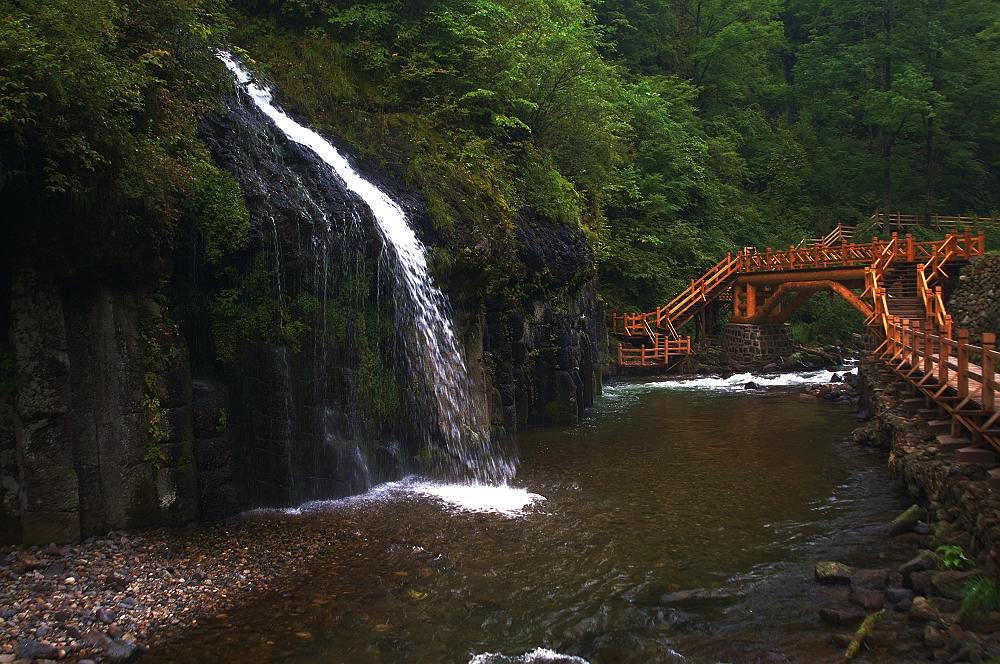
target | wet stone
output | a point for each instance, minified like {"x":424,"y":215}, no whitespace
{"x":952,"y":583}
{"x":923,"y":561}
{"x":933,"y":638}
{"x":923,"y":611}
{"x":830,"y":572}
{"x":906,"y":521}
{"x":870,"y":578}
{"x":841,"y":616}
{"x":868,"y":599}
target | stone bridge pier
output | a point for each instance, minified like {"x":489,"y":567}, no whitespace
{"x":756,"y":342}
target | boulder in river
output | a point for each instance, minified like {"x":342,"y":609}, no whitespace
{"x":831,"y":572}
{"x":870,"y":578}
{"x":923,"y":561}
{"x":867,"y":598}
{"x":952,"y":583}
{"x":906,"y":521}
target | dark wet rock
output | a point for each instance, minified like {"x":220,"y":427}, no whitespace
{"x":26,"y":562}
{"x":897,"y":595}
{"x":933,"y":638}
{"x":921,"y":581}
{"x":751,"y":385}
{"x":96,"y":639}
{"x":906,"y":521}
{"x":870,"y":578}
{"x":922,"y":528}
{"x":107,"y":616}
{"x":116,"y":580}
{"x":981,"y":623}
{"x":831,"y":572}
{"x":952,"y":583}
{"x":923,"y":561}
{"x":923,"y":611}
{"x":120,"y":651}
{"x":32,"y":649}
{"x":868,"y":599}
{"x":841,"y":616}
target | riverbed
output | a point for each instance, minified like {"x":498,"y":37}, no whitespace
{"x":679,"y":522}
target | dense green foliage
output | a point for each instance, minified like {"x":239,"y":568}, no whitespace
{"x":99,"y":161}
{"x":668,"y":132}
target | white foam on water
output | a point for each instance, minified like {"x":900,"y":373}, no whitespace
{"x":536,"y":655}
{"x":735,"y":382}
{"x":502,"y":500}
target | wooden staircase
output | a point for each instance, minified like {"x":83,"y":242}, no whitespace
{"x":902,"y":282}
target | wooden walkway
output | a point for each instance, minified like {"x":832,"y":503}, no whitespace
{"x":881,"y":278}
{"x":954,"y":377}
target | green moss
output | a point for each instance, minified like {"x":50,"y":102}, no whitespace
{"x":219,"y":211}
{"x":560,"y":412}
{"x":252,"y":312}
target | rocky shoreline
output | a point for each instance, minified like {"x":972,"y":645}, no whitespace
{"x":110,"y":598}
{"x":941,"y":604}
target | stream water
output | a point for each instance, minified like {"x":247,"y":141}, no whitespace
{"x":679,"y":522}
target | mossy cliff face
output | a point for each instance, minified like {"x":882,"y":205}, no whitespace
{"x":272,"y":371}
{"x":99,"y":407}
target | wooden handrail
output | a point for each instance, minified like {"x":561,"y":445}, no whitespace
{"x":938,"y":221}
{"x":958,"y":376}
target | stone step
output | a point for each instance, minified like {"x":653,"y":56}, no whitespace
{"x":994,"y":478}
{"x":975,"y":455}
{"x":952,"y":443}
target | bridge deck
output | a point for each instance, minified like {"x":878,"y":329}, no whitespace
{"x":893,"y":276}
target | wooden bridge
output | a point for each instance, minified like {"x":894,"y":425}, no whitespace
{"x":885,"y":280}
{"x":898,"y":285}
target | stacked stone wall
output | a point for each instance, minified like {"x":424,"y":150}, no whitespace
{"x":753,"y":343}
{"x":975,"y":302}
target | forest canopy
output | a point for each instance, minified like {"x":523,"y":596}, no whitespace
{"x":668,"y":132}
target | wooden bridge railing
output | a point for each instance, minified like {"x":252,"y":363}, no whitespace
{"x":937,"y":221}
{"x":878,"y":257}
{"x":656,"y":355}
{"x":838,"y":235}
{"x":959,"y":377}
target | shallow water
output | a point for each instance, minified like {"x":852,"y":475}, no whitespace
{"x":594,"y":552}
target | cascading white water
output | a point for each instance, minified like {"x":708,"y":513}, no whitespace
{"x":421,"y":307}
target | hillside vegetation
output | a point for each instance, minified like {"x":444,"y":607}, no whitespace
{"x":669,"y":132}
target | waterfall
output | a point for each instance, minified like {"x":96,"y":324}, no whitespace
{"x":440,"y":377}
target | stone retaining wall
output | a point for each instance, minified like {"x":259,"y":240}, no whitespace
{"x":975,"y":303}
{"x":961,"y":505}
{"x":749,"y":343}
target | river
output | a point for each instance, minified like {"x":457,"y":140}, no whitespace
{"x":679,"y":522}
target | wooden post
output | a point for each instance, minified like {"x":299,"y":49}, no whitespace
{"x":981,"y":249}
{"x":963,"y":363}
{"x":904,"y":340}
{"x":928,"y":347}
{"x":751,"y":300}
{"x":944,"y":353}
{"x":989,"y":345}
{"x":968,"y":243}
{"x":910,"y":248}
